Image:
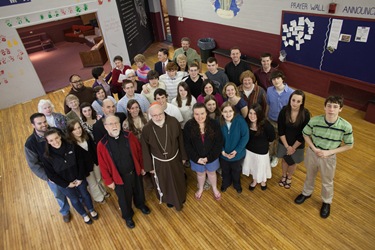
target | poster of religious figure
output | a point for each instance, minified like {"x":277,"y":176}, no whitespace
{"x":227,"y":8}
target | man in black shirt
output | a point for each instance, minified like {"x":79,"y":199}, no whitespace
{"x":121,"y":165}
{"x":236,"y":66}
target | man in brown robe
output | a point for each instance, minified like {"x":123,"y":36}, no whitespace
{"x":163,"y":156}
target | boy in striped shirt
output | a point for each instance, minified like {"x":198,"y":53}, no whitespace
{"x":326,"y":136}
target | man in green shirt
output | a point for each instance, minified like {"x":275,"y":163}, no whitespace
{"x":191,"y":54}
{"x":326,"y":136}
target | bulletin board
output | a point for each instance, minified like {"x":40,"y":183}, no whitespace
{"x":354,"y":53}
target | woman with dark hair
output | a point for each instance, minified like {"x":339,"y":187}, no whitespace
{"x":89,"y":118}
{"x":236,"y":134}
{"x":213,"y":109}
{"x":257,"y":160}
{"x":67,"y":170}
{"x":136,"y":120}
{"x":184,"y":101}
{"x":101,"y":80}
{"x":208,"y":88}
{"x":291,"y":121}
{"x":203,"y":144}
{"x":86,"y":150}
{"x":100,"y":95}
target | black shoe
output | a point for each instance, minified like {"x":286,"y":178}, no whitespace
{"x":87,"y":220}
{"x":66,"y":217}
{"x":324,"y":211}
{"x":239,"y":190}
{"x":94,"y":215}
{"x":130,"y":223}
{"x":169,"y":205}
{"x":263,"y":187}
{"x":301,"y":198}
{"x":223,"y":189}
{"x":145,"y":210}
{"x":251,"y":188}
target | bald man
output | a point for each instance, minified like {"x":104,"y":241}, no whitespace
{"x":108,"y":108}
{"x":164,"y":155}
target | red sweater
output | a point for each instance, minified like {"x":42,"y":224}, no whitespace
{"x":108,"y":168}
{"x":116,"y":86}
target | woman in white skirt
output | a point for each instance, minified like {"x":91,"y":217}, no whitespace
{"x":257,"y":161}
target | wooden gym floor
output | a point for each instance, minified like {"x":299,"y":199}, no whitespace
{"x":29,"y":217}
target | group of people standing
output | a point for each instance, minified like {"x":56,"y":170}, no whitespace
{"x":231,"y":120}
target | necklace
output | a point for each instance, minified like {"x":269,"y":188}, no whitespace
{"x":166,"y":139}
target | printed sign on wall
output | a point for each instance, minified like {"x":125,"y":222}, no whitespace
{"x":12,"y":2}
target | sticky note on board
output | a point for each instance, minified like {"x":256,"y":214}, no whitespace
{"x":298,"y":47}
{"x":307,"y":37}
{"x":294,"y":33}
{"x":291,"y":42}
{"x":311,"y":31}
{"x":288,"y":34}
{"x":301,"y":21}
{"x":283,"y":38}
{"x":285,"y":28}
{"x":286,"y":43}
{"x":293,"y":23}
{"x":301,"y":41}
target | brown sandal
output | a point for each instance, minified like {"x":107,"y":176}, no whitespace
{"x":282,"y":181}
{"x":288,"y":183}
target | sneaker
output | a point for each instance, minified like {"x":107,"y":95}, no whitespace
{"x":66,"y":218}
{"x":94,"y":215}
{"x":274,"y":161}
{"x":87,"y":220}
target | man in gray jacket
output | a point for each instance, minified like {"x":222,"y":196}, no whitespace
{"x":34,"y":150}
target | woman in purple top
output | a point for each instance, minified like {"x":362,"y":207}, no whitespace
{"x":208,"y":88}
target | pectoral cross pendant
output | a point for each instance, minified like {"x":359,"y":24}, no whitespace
{"x":165,"y":155}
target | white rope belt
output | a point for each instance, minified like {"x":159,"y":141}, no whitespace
{"x":156,"y":176}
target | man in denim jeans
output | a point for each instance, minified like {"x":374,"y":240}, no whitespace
{"x":34,"y":150}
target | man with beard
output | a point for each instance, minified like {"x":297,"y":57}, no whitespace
{"x":34,"y":149}
{"x":164,"y":156}
{"x":121,"y":165}
{"x":84,"y":94}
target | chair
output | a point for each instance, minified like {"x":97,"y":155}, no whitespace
{"x":46,"y":42}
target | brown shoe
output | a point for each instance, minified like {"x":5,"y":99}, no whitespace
{"x":66,"y":218}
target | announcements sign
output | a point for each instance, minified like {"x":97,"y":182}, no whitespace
{"x":136,"y":25}
{"x":12,"y":2}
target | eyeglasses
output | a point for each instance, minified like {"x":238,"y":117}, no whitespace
{"x":77,"y":81}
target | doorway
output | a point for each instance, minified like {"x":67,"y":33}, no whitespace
{"x":54,"y":65}
{"x":165,"y":19}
